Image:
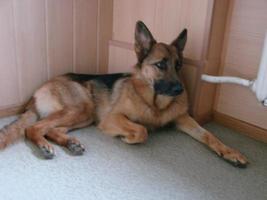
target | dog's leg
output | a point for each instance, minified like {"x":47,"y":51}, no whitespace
{"x":191,"y":127}
{"x":60,"y":137}
{"x":36,"y":135}
{"x":68,"y":117}
{"x":119,"y":125}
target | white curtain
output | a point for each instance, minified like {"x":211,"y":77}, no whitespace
{"x":260,"y":84}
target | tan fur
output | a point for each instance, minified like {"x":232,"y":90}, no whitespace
{"x":129,"y":110}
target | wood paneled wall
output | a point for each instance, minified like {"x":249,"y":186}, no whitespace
{"x":40,"y":39}
{"x":245,"y":33}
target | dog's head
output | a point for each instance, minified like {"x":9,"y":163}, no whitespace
{"x":159,"y":63}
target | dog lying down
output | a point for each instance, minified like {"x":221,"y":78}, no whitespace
{"x":124,"y":105}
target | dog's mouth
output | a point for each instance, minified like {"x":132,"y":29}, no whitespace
{"x":167,"y":88}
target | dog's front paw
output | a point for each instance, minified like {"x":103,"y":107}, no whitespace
{"x":233,"y":157}
{"x":136,"y":138}
{"x":75,"y":147}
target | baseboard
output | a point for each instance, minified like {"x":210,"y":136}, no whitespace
{"x":247,"y":129}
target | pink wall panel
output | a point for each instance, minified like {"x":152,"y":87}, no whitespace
{"x":31,"y":44}
{"x":9,"y":91}
{"x":40,"y":39}
{"x":125,"y":15}
{"x":121,"y":59}
{"x":60,"y":36}
{"x":85,"y":36}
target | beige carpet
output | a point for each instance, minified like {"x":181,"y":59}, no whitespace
{"x":169,"y":166}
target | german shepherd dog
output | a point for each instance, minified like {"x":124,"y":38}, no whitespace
{"x":124,"y":105}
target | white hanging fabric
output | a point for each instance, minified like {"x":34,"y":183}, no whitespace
{"x":258,"y":86}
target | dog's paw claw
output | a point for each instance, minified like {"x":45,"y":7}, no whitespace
{"x":75,"y":147}
{"x":47,"y":151}
{"x":237,"y":163}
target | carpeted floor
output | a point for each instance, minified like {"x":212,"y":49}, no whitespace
{"x":169,"y":166}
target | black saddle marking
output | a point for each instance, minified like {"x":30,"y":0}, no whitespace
{"x":107,"y":79}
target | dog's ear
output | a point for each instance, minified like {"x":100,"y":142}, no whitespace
{"x":180,"y":41}
{"x":143,"y":41}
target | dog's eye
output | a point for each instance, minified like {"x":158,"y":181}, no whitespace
{"x":161,"y":65}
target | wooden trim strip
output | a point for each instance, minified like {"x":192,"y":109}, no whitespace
{"x":224,"y":50}
{"x":130,"y":46}
{"x":204,"y":55}
{"x":98,"y":35}
{"x":249,"y":130}
{"x":74,"y":20}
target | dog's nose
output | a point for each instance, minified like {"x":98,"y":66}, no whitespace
{"x":177,"y":89}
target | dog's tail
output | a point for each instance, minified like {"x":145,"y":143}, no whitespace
{"x":11,"y":132}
